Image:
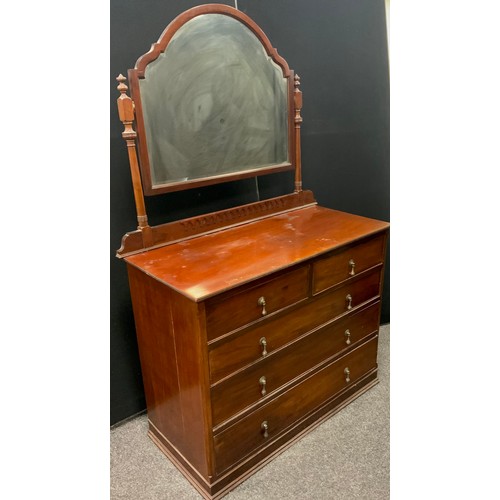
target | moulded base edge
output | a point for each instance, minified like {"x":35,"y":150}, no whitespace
{"x":235,"y":476}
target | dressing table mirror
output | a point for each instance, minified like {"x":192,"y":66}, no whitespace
{"x":254,"y":323}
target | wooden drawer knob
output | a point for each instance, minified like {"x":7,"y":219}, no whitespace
{"x":347,"y":374}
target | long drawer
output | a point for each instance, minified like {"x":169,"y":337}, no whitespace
{"x":251,"y":345}
{"x":262,"y":426}
{"x":260,"y":380}
{"x":347,"y":262}
{"x":244,"y":305}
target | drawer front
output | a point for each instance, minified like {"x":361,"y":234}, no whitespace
{"x":260,"y":380}
{"x":234,"y":310}
{"x":249,"y":434}
{"x":346,"y":263}
{"x":241,"y":350}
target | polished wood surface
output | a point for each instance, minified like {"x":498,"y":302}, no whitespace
{"x":174,"y":385}
{"x":244,"y":388}
{"x":241,"y":439}
{"x":297,"y":119}
{"x":224,"y":482}
{"x":347,"y":262}
{"x":203,"y":360}
{"x":239,"y":350}
{"x":172,"y":232}
{"x":237,"y":256}
{"x":156,"y":341}
{"x":243,"y":348}
{"x":228,"y":311}
{"x":126,"y":114}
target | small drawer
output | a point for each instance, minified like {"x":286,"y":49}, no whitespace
{"x":244,"y":305}
{"x":265,"y":424}
{"x":346,"y":263}
{"x":240,"y":350}
{"x":259,"y":380}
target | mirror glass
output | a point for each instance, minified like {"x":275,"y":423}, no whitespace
{"x":213,"y":103}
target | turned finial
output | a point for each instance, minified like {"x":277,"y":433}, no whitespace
{"x":125,"y":107}
{"x":297,"y":97}
{"x":121,"y":85}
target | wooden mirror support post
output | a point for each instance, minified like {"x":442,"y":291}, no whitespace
{"x":297,"y":102}
{"x":255,"y":323}
{"x":126,"y":114}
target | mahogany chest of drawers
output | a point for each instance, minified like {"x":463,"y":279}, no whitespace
{"x":252,"y":335}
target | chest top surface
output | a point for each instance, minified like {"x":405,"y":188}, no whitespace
{"x":207,"y":265}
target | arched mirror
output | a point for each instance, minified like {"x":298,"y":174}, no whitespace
{"x":213,"y":103}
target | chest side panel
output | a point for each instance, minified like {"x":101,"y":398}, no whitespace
{"x":156,"y":342}
{"x":172,"y":346}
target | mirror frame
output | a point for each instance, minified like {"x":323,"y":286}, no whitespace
{"x":134,"y":75}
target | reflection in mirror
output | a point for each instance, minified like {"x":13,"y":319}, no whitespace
{"x":213,"y":103}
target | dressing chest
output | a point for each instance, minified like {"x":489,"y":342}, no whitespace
{"x":254,"y":323}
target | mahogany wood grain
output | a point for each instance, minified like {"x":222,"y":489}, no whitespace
{"x":192,"y":367}
{"x":151,"y":304}
{"x":228,"y":480}
{"x":335,"y":267}
{"x":237,"y":256}
{"x":244,"y":389}
{"x":362,"y":289}
{"x":173,"y":232}
{"x":189,"y":342}
{"x":228,"y":311}
{"x":241,"y":439}
{"x":177,"y":390}
{"x":141,"y":142}
{"x":126,"y":114}
{"x":239,"y":350}
{"x":262,"y":456}
{"x":297,"y":119}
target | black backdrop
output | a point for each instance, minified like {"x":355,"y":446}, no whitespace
{"x":339,"y":49}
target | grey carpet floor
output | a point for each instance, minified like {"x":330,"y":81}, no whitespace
{"x":345,"y":458}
